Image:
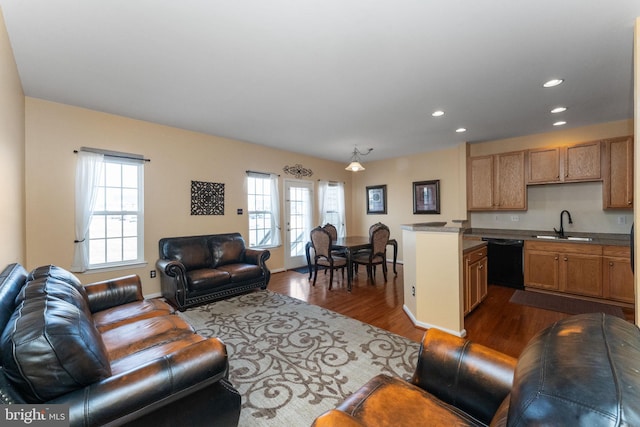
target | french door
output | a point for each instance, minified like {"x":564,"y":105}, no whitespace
{"x":298,"y":219}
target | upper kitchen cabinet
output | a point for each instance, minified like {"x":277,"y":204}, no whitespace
{"x":617,"y":173}
{"x":574,"y":163}
{"x":497,"y":182}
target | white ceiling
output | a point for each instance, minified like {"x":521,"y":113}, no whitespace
{"x":318,"y":76}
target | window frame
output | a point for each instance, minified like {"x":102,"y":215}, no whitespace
{"x":270,"y":182}
{"x":139,"y":213}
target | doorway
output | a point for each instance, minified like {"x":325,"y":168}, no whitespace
{"x":298,"y":218}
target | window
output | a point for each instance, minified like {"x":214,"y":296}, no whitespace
{"x":264,"y":212}
{"x":332,"y":211}
{"x":109,"y":229}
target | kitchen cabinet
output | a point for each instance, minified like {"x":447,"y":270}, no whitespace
{"x":617,"y":283}
{"x":572,"y":268}
{"x":497,"y":182}
{"x":475,"y":278}
{"x":573,"y":163}
{"x":617,"y":173}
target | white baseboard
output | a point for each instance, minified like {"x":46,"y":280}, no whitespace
{"x":424,"y":325}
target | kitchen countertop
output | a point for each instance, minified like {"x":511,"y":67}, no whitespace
{"x":597,"y":238}
{"x":469,"y":245}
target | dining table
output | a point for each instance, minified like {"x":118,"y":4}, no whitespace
{"x":350,"y":245}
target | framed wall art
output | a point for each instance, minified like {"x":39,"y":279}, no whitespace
{"x":426,"y":197}
{"x":377,"y":199}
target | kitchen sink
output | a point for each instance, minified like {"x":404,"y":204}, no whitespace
{"x":555,"y":237}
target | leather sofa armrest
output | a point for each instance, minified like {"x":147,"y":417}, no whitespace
{"x":336,"y":418}
{"x":469,"y":376}
{"x":171,"y":268}
{"x":257,"y":256}
{"x":113,"y":292}
{"x":130,"y":395}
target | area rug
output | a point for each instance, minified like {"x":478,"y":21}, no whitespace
{"x":292,"y":361}
{"x":563,"y":304}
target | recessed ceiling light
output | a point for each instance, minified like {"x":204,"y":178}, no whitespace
{"x":553,"y":82}
{"x":560,"y":123}
{"x":558,"y":110}
{"x":460,"y":130}
{"x":437,"y":113}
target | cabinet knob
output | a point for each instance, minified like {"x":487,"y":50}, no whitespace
{"x":481,"y":266}
{"x":610,"y":263}
{"x":556,"y":258}
{"x":629,"y":202}
{"x":566,"y":259}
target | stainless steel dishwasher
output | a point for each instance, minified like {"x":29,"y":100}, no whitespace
{"x":505,"y":262}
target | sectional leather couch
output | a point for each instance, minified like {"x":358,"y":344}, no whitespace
{"x":111,"y":356}
{"x":581,"y":371}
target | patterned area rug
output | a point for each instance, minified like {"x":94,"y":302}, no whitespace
{"x":292,"y":361}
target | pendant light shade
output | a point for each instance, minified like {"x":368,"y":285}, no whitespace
{"x":355,"y":165}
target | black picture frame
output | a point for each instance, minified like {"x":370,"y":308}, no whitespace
{"x":376,"y":199}
{"x":426,"y":197}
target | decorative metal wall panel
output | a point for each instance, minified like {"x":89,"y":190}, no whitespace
{"x":207,"y":198}
{"x":297,"y":170}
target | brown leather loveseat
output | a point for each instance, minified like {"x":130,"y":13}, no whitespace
{"x":198,"y":269}
{"x":581,"y":371}
{"x":110,"y":356}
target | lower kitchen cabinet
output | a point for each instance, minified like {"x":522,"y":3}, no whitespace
{"x":475,"y":278}
{"x":588,"y":270}
{"x":617,"y":283}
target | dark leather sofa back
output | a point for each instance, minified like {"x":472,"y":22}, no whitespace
{"x":51,"y":334}
{"x":12,"y":279}
{"x":583,"y":370}
{"x":193,"y":252}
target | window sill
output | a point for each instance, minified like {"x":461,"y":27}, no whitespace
{"x":116,"y":267}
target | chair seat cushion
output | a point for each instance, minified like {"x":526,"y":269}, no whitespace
{"x":337,"y":262}
{"x":364,"y":259}
{"x":370,"y":405}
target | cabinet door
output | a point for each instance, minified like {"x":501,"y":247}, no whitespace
{"x":541,"y":269}
{"x":474,"y":298}
{"x":617,"y":278}
{"x":509,"y":181}
{"x":480,"y":183}
{"x":581,"y":274}
{"x":617,"y":179}
{"x":544,"y":165}
{"x":483,"y":289}
{"x":467,"y":285}
{"x":582,"y":162}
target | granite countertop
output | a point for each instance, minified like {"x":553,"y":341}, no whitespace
{"x":469,"y":245}
{"x":597,"y":238}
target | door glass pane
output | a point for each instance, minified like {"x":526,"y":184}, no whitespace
{"x":299,"y":199}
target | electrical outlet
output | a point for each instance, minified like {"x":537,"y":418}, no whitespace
{"x":622,"y":220}
{"x":496,"y":218}
{"x":413,"y":291}
{"x":152,"y":274}
{"x":515,"y":218}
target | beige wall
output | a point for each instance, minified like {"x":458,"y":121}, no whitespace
{"x":545,"y":202}
{"x":636,"y":163}
{"x":398,"y":175}
{"x":177,"y":156}
{"x":12,"y":157}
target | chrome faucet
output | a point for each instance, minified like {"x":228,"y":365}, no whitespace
{"x":561,"y":231}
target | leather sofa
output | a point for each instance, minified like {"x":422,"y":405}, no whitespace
{"x":109,"y":355}
{"x":198,"y":269}
{"x":581,"y":371}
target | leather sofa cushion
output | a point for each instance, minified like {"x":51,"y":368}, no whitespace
{"x":241,"y":272}
{"x":207,"y":278}
{"x":130,"y":312}
{"x":557,"y":382}
{"x":12,"y":278}
{"x":193,"y":252}
{"x":136,"y":336}
{"x":411,"y":405}
{"x":50,"y":348}
{"x":227,"y":249}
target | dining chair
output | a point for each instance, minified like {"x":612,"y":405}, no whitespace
{"x":377,"y":255}
{"x":372,"y":228}
{"x":321,"y":243}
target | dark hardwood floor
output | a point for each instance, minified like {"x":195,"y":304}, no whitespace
{"x":496,"y":323}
